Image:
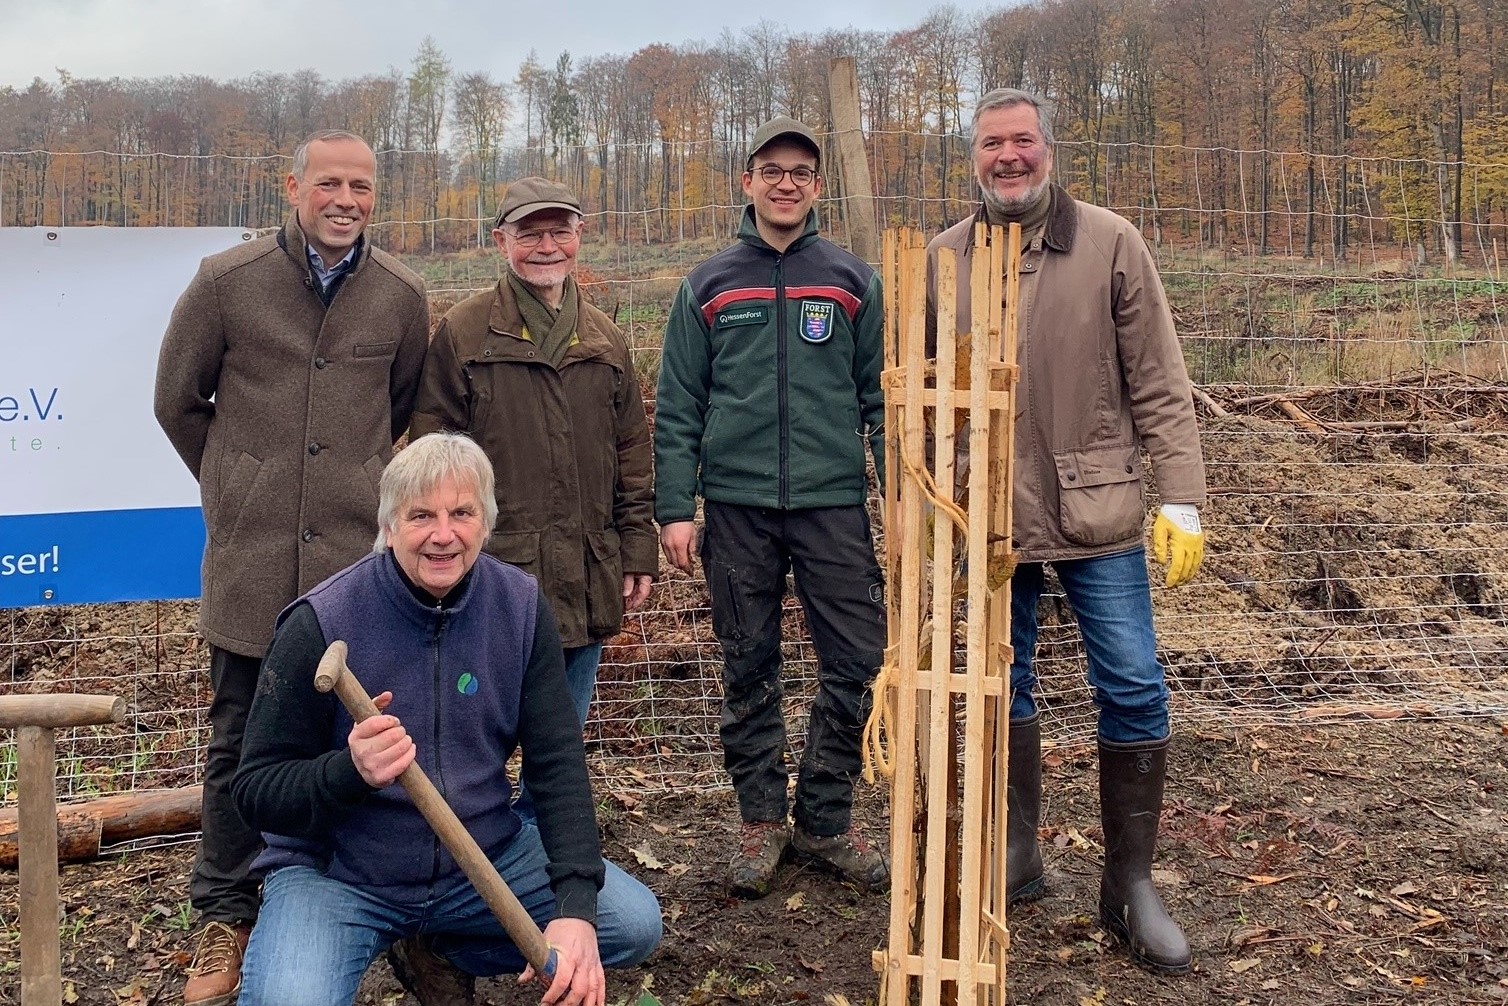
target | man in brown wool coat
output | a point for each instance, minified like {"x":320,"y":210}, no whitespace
{"x":288,"y":371}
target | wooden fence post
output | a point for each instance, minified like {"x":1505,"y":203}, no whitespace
{"x":34,"y":718}
{"x":858,"y":190}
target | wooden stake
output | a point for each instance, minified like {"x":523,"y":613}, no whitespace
{"x":34,"y":717}
{"x":41,"y":960}
{"x":858,"y":190}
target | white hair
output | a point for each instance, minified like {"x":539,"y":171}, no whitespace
{"x":422,"y":466}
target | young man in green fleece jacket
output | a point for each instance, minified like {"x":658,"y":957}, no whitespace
{"x":769,"y":388}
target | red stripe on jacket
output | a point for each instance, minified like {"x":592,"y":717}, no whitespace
{"x":847,"y":301}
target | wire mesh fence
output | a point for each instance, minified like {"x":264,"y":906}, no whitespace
{"x":1348,"y":342}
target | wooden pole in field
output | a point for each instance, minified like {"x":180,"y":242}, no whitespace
{"x":858,"y":190}
{"x":949,"y":543}
{"x":34,"y":718}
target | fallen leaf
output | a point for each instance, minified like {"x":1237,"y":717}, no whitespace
{"x":660,"y":829}
{"x":677,"y":869}
{"x":1242,"y":937}
{"x":1418,"y":981}
{"x":796,"y":902}
{"x":1407,"y":887}
{"x":1315,"y":949}
{"x":647,"y":858}
{"x":134,"y":939}
{"x":1065,"y":954}
{"x":1244,"y":965}
{"x":1095,"y":1000}
{"x":835,"y":999}
{"x":1270,"y":985}
{"x":628,"y":800}
{"x":70,"y":994}
{"x":1264,"y":880}
{"x":1078,"y":840}
{"x":815,"y":967}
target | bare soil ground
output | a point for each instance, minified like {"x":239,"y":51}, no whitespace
{"x":1334,"y":864}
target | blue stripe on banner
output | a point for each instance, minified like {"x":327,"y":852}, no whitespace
{"x":98,"y":556}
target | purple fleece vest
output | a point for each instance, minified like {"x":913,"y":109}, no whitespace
{"x":456,"y":675}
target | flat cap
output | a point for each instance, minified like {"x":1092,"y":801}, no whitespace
{"x":783,"y":126}
{"x":532,"y":194}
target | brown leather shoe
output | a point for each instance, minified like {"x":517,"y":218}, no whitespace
{"x":761,"y":846}
{"x":215,"y":975}
{"x":430,"y":978}
{"x":850,"y":855}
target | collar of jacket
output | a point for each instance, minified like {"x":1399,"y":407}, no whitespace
{"x":403,"y":597}
{"x":505,"y":319}
{"x":291,"y":239}
{"x":1062,"y":221}
{"x":748,"y":232}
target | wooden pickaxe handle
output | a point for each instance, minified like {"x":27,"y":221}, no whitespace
{"x":333,"y":674}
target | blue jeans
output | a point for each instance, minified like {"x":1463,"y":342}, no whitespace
{"x":581,"y":675}
{"x":316,"y":937}
{"x":1111,"y":598}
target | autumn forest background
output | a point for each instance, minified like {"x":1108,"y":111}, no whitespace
{"x":1312,"y":128}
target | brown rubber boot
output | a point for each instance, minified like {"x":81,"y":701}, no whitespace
{"x":849,"y":855}
{"x":427,"y":976}
{"x":215,"y":974}
{"x":1131,"y":781}
{"x":1023,"y":800}
{"x":761,"y":846}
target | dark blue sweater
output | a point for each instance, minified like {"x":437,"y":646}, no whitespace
{"x":473,"y":678}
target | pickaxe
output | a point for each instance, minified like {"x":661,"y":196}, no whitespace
{"x":333,"y":674}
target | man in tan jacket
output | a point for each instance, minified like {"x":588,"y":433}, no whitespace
{"x":542,"y":380}
{"x":288,"y":371}
{"x":1102,"y":379}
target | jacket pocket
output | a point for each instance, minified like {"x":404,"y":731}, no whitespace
{"x":1100,"y":497}
{"x":604,"y":584}
{"x":236,"y":480}
{"x":517,"y":548}
{"x":373,"y":467}
{"x":371,"y":350}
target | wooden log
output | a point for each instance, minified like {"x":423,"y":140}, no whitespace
{"x":60,"y":710}
{"x":41,"y":960}
{"x":84,"y":827}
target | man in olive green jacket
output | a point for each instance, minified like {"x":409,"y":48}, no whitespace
{"x":288,"y":370}
{"x":1102,"y":379}
{"x":769,"y":395}
{"x":542,"y":380}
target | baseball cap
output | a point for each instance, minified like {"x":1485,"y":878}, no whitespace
{"x":784,"y":126}
{"x":532,"y":194}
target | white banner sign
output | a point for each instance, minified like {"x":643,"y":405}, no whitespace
{"x":94,"y":503}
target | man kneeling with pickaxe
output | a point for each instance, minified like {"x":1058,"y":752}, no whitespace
{"x":464,"y":660}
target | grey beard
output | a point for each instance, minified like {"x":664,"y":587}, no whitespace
{"x":1016,"y":206}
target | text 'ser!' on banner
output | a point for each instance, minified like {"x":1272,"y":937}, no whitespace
{"x":94,"y":503}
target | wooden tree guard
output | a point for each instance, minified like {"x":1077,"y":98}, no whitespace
{"x":948,"y":540}
{"x":34,"y":718}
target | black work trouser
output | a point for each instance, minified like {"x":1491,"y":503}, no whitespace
{"x":221,"y":888}
{"x":746,"y":553}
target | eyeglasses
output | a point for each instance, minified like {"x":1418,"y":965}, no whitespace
{"x":774,"y":174}
{"x":560,"y":235}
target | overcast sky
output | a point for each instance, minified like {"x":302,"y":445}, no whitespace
{"x":226,"y":39}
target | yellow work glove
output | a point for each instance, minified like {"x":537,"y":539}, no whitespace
{"x":1178,"y":541}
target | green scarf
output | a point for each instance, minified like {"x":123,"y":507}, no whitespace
{"x":554,"y":331}
{"x":1032,"y":219}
